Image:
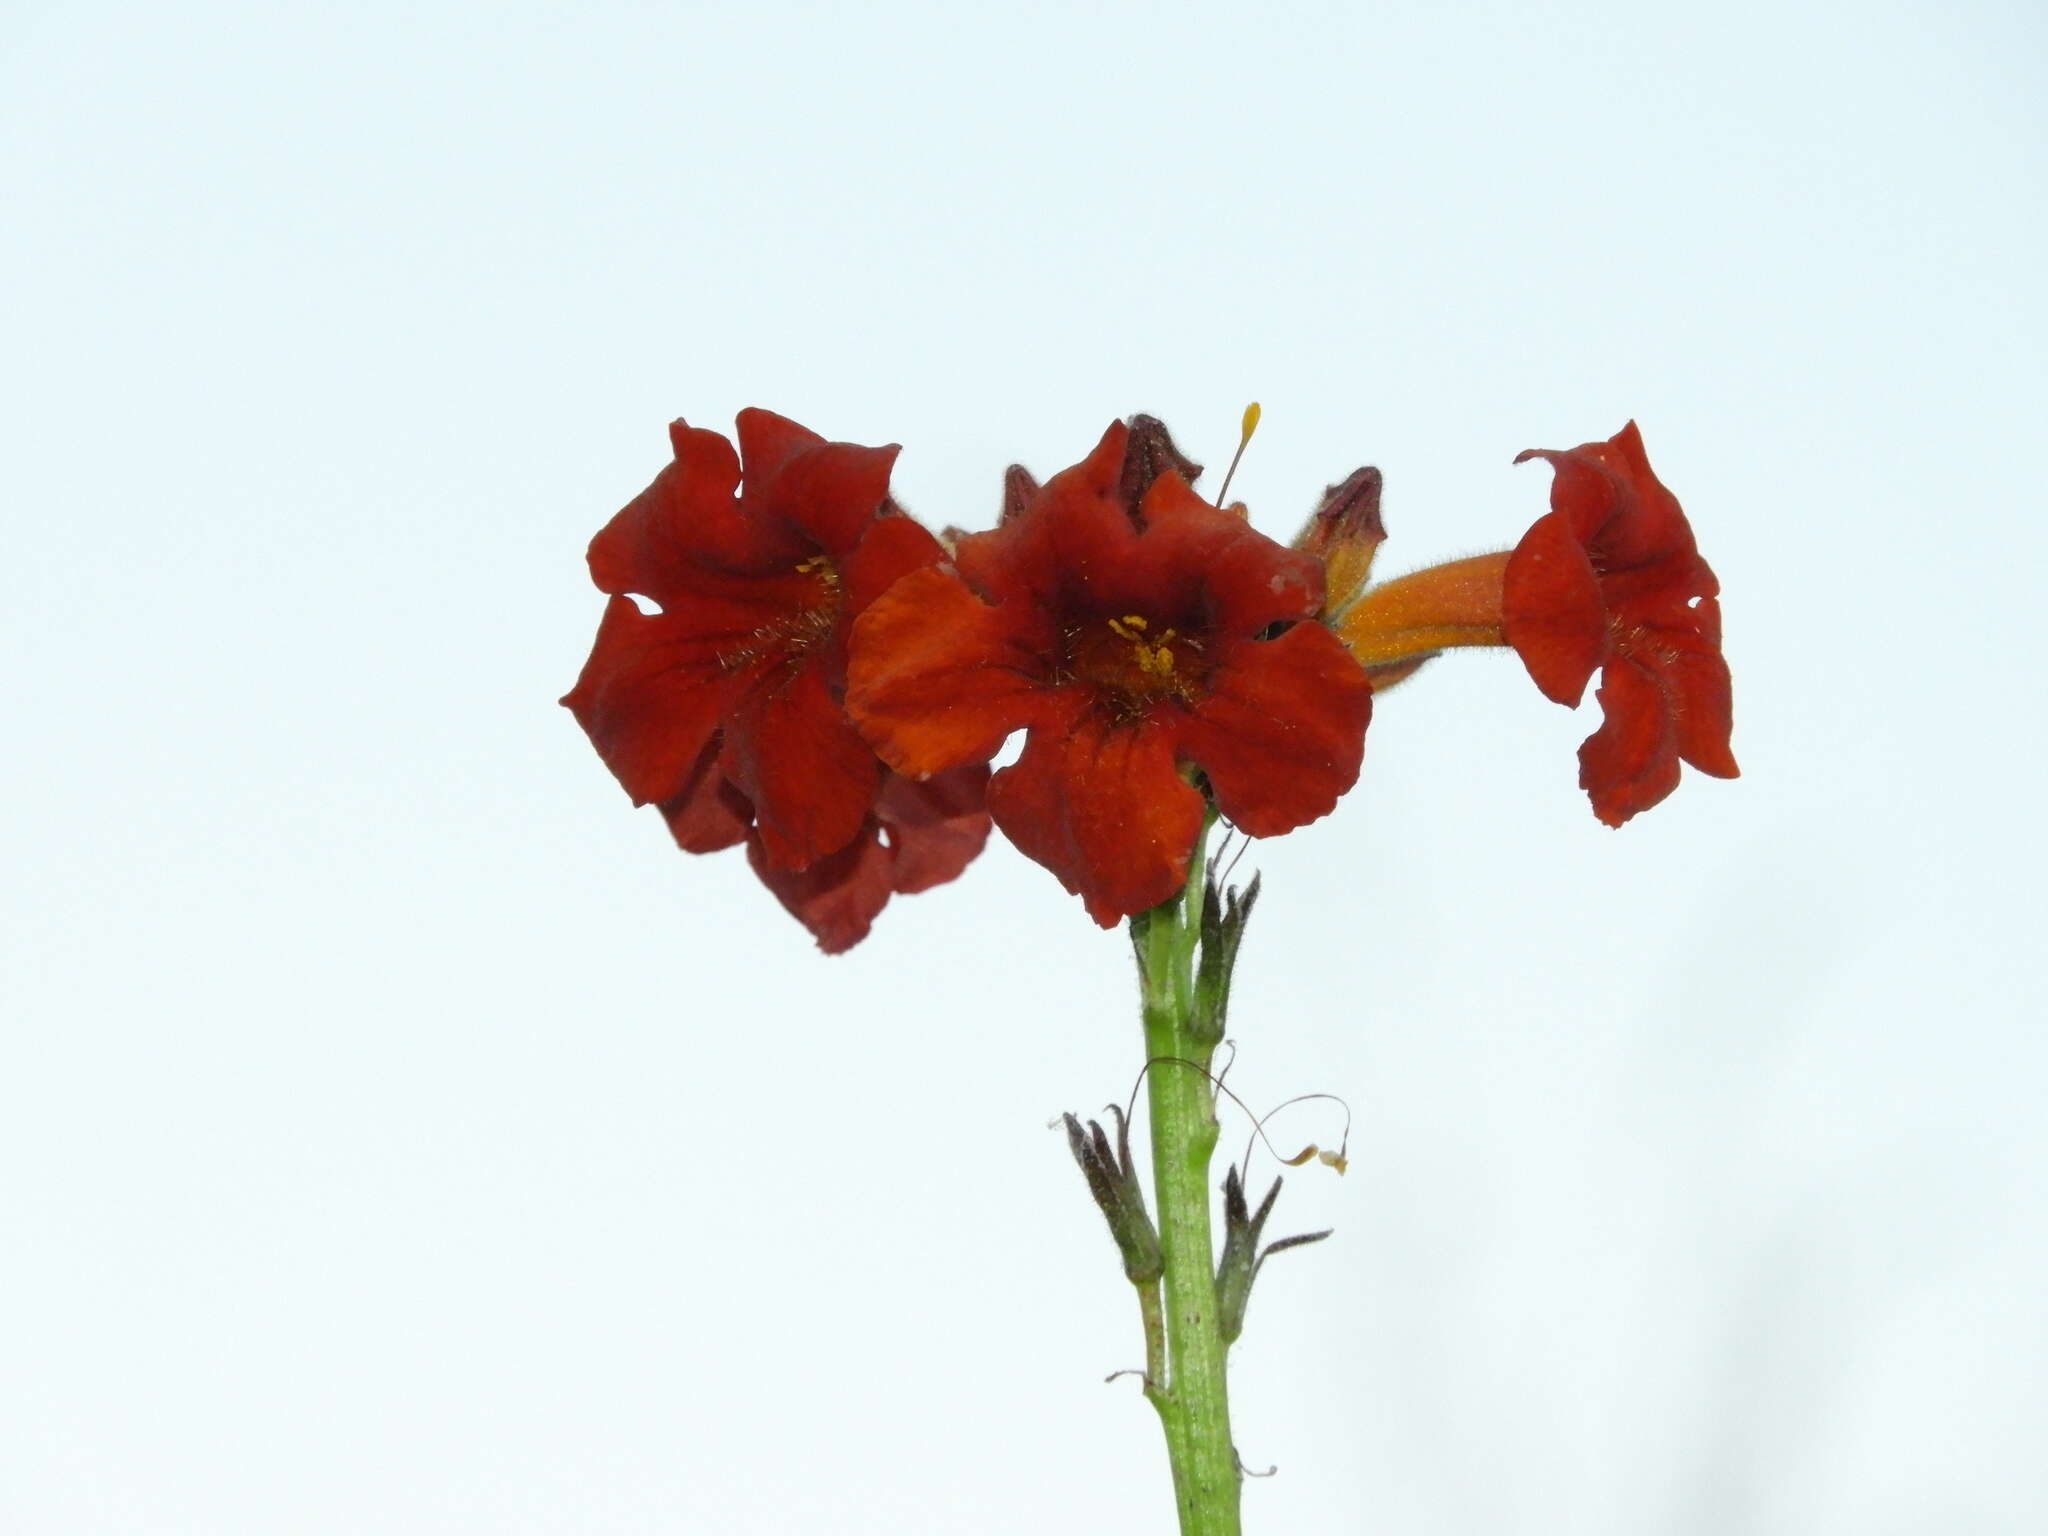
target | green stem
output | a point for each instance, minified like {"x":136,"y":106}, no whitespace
{"x":1193,"y":1403}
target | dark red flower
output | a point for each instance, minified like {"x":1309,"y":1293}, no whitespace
{"x":1131,"y":632}
{"x":1611,"y":581}
{"x":723,"y":706}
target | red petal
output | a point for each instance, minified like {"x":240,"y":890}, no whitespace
{"x":709,"y":814}
{"x":935,"y":827}
{"x":768,"y":442}
{"x":1552,"y":612}
{"x":1200,"y":559}
{"x":1617,"y":507}
{"x":790,"y":749}
{"x":828,"y":491}
{"x":1073,"y":525}
{"x":834,"y":493}
{"x":936,"y":678}
{"x":1631,"y":762}
{"x":838,"y":896}
{"x":892,"y":548}
{"x":685,"y":531}
{"x":1651,"y":527}
{"x":649,"y":698}
{"x":1701,"y":700}
{"x":1282,"y":730}
{"x":1105,"y":809}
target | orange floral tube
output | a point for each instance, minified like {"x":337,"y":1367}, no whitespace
{"x":1429,"y":611}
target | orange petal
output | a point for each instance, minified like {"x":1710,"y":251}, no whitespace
{"x":936,"y":678}
{"x":1551,"y":609}
{"x":1105,"y":809}
{"x":1282,"y":729}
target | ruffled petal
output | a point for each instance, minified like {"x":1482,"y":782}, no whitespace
{"x":833,"y":493}
{"x":1617,"y":504}
{"x":829,"y":492}
{"x":648,"y":545}
{"x":934,"y":827}
{"x":649,"y":699}
{"x":1631,"y":762}
{"x":769,"y":441}
{"x":708,"y":814}
{"x":1282,"y":730}
{"x":892,"y":548}
{"x":1701,"y":699}
{"x":790,"y":749}
{"x":1105,"y":809}
{"x":1196,"y":559}
{"x":1552,"y":611}
{"x":838,"y":896}
{"x":936,"y":678}
{"x":1073,"y":526}
{"x":685,"y":533}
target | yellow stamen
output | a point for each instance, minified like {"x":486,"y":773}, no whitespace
{"x":1154,"y":658}
{"x":1246,"y":428}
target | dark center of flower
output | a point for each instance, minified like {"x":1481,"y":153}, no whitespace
{"x":1132,"y":662}
{"x":810,"y":613}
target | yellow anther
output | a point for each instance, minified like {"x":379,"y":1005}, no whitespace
{"x":1156,"y":659}
{"x":1245,"y":429}
{"x":1136,"y":621}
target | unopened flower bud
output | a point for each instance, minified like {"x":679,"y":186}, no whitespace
{"x":1345,"y":532}
{"x":1224,"y":914}
{"x":1019,"y":486}
{"x":1241,"y":1261}
{"x":1113,"y":1181}
{"x":1149,"y":453}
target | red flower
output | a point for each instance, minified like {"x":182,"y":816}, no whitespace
{"x":723,"y":706}
{"x":1124,"y":627}
{"x":1610,"y":580}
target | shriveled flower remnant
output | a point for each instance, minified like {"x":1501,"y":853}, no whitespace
{"x":723,"y":706}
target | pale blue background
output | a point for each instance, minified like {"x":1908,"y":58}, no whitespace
{"x":396,"y":1135}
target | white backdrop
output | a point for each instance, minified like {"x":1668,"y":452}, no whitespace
{"x":397,"y":1135}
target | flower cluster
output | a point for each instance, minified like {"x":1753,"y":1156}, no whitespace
{"x":789,"y":661}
